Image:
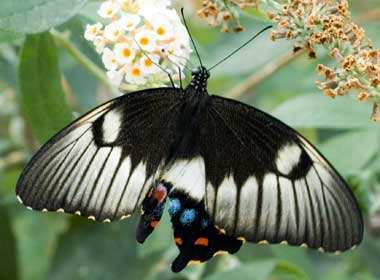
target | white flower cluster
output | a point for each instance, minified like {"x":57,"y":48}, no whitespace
{"x":139,"y":35}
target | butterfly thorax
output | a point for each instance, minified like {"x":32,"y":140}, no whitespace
{"x":198,"y":83}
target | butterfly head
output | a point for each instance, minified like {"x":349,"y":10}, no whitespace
{"x":199,"y":79}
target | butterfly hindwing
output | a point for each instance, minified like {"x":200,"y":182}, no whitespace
{"x":102,"y":165}
{"x":265,"y":182}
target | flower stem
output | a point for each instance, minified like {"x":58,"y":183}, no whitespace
{"x":246,"y":86}
{"x":64,"y":41}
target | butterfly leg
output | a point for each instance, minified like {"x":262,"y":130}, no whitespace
{"x":152,"y":209}
{"x":197,"y":239}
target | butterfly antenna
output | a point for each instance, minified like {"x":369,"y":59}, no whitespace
{"x":155,"y":63}
{"x":242,"y":46}
{"x":180,"y":77}
{"x":191,"y":38}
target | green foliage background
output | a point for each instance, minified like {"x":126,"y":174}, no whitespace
{"x":45,"y":82}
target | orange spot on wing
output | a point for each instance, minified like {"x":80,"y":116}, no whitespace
{"x":178,"y":241}
{"x":153,"y":224}
{"x":195,"y":262}
{"x":202,"y":241}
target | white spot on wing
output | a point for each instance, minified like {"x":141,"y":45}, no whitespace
{"x":86,"y":189}
{"x":188,"y":176}
{"x":288,"y":157}
{"x":104,"y":180}
{"x":225,"y":204}
{"x":247,"y":206}
{"x":135,"y":186}
{"x":268,"y":215}
{"x":19,"y":199}
{"x":124,"y":217}
{"x":76,"y":188}
{"x":288,"y":208}
{"x":111,"y":126}
{"x":303,"y":210}
{"x":118,"y":185}
{"x":210,"y":198}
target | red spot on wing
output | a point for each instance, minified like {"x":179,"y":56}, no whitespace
{"x":153,"y":224}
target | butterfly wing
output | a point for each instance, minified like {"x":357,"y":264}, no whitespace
{"x":102,"y":165}
{"x":267,"y":183}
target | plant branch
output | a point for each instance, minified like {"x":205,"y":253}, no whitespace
{"x":13,"y":159}
{"x":92,"y":68}
{"x":268,"y":70}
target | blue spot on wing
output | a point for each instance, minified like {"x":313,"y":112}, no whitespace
{"x":174,"y":206}
{"x":204,"y":223}
{"x":188,"y":216}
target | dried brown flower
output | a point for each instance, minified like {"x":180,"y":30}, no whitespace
{"x":316,"y":22}
{"x":225,"y":13}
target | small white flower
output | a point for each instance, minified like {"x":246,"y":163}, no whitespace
{"x":108,"y":9}
{"x":135,"y":32}
{"x":129,"y":22}
{"x":134,"y":75}
{"x":175,"y":53}
{"x":129,"y":6}
{"x":162,"y":27}
{"x":151,"y":7}
{"x":109,"y":59}
{"x":124,"y":53}
{"x":147,"y":64}
{"x":115,"y":77}
{"x":146,"y":40}
{"x":99,"y":44}
{"x":92,"y":31}
{"x":112,"y":31}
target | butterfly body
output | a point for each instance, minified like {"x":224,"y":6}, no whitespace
{"x":228,"y":171}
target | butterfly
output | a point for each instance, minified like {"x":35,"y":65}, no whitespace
{"x":229,"y":172}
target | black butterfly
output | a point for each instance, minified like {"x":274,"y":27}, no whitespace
{"x":231,"y":173}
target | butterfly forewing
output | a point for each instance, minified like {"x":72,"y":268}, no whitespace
{"x":264,"y":182}
{"x":102,"y":165}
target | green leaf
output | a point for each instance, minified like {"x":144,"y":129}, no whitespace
{"x":35,"y":16}
{"x":8,"y":256}
{"x":99,"y":251}
{"x":259,"y":270}
{"x":318,"y":111}
{"x":9,"y":36}
{"x":37,"y":235}
{"x":362,"y":146}
{"x":289,"y":269}
{"x":41,"y":96}
{"x":297,"y":257}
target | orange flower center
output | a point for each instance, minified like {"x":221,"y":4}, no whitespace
{"x":148,"y":63}
{"x":109,"y":12}
{"x":126,"y":52}
{"x":144,"y":41}
{"x":116,"y":33}
{"x":136,"y":72}
{"x":161,"y":31}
